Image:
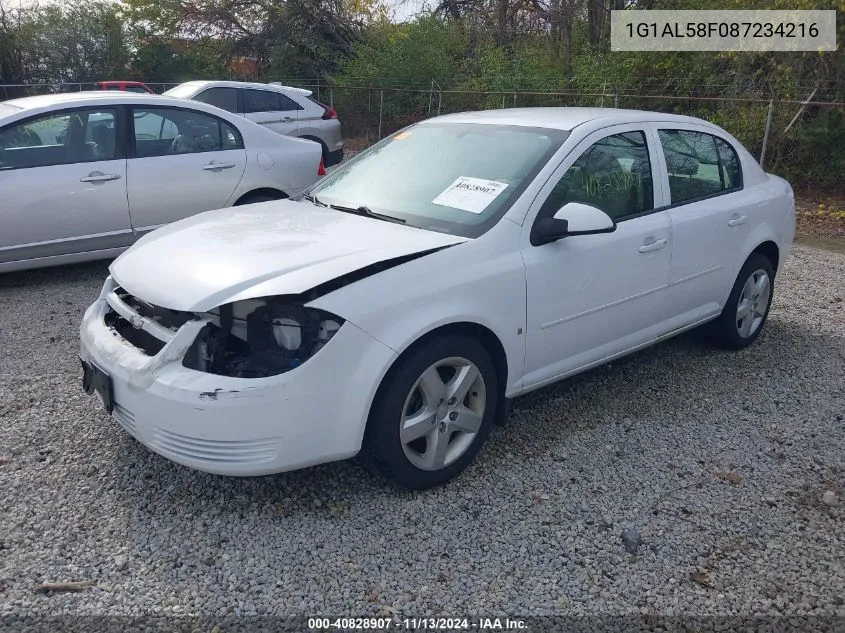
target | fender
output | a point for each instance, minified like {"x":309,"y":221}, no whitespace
{"x":487,"y":287}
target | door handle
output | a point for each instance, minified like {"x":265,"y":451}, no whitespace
{"x":737,"y":220}
{"x":212,"y":166}
{"x":98,"y":176}
{"x":654,"y":245}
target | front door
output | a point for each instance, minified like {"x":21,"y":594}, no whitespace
{"x":185,"y":162}
{"x":62,"y":185}
{"x":590,"y":297}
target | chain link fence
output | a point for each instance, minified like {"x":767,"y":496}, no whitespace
{"x":802,"y":139}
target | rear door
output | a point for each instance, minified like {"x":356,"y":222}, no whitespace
{"x":225,"y":98}
{"x":710,"y":214}
{"x":63,"y":185}
{"x":182,"y":162}
{"x":271,"y":109}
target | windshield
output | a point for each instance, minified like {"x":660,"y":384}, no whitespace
{"x":457,"y":178}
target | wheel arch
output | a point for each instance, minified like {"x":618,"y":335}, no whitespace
{"x":491,"y":342}
{"x":769,"y":250}
{"x":260,"y":191}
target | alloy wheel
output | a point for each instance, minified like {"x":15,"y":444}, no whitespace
{"x":753,"y":303}
{"x":443,"y":413}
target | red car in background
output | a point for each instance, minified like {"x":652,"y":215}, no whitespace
{"x":125,"y":86}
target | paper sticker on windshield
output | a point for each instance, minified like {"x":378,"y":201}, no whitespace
{"x":401,"y":135}
{"x":470,"y":194}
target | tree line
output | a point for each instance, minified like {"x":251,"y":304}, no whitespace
{"x":473,"y":45}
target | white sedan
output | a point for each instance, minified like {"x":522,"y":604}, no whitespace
{"x":84,"y":175}
{"x":398,"y":306}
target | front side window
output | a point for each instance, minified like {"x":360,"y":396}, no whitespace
{"x":613,"y":174}
{"x":699,"y":165}
{"x":166,"y":131}
{"x":267,"y":101}
{"x":59,"y":139}
{"x":225,"y":98}
{"x":457,"y":178}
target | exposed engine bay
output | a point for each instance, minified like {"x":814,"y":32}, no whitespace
{"x":256,"y":338}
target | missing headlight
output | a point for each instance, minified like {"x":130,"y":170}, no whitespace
{"x":259,"y":338}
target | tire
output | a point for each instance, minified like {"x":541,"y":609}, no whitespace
{"x":411,"y":392}
{"x":258,"y":197}
{"x":729,"y":330}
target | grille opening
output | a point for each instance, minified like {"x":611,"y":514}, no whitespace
{"x":141,"y":339}
{"x":173,"y":319}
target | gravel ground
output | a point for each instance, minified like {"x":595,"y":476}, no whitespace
{"x":715,"y":464}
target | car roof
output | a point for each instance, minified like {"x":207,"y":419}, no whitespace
{"x":72,"y":98}
{"x":560,"y":118}
{"x":210,"y":83}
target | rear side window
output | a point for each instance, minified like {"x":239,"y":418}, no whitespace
{"x":169,"y":131}
{"x":225,"y":98}
{"x":700,"y":165}
{"x":267,"y":101}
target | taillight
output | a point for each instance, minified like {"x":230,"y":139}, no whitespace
{"x":328,"y":111}
{"x":321,"y":170}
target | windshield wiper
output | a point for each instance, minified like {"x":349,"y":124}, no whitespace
{"x":368,"y":213}
{"x":312,"y":198}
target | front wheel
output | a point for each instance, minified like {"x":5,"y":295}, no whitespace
{"x":747,"y":308}
{"x":433,"y":412}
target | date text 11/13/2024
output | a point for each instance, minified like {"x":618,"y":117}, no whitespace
{"x":417,"y":624}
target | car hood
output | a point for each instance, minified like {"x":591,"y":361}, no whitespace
{"x":270,"y":248}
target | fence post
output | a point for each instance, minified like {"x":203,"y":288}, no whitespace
{"x":380,"y":109}
{"x":766,"y":133}
{"x":439,"y":99}
{"x":331,"y":97}
{"x":615,"y":99}
{"x":318,"y":87}
{"x":514,"y":99}
{"x":430,"y":97}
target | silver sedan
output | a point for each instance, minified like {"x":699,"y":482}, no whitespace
{"x":84,"y":175}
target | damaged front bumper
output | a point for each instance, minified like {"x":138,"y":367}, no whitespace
{"x":227,"y":425}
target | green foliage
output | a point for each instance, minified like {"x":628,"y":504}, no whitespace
{"x":407,"y":54}
{"x":74,"y":42}
{"x":483,"y":55}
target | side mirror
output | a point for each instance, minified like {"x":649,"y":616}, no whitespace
{"x":573,"y":218}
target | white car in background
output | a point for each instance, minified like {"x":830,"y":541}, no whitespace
{"x":283,"y":109}
{"x":84,"y":175}
{"x":398,"y":305}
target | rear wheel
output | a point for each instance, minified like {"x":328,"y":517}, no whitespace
{"x":433,"y":413}
{"x":747,"y":308}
